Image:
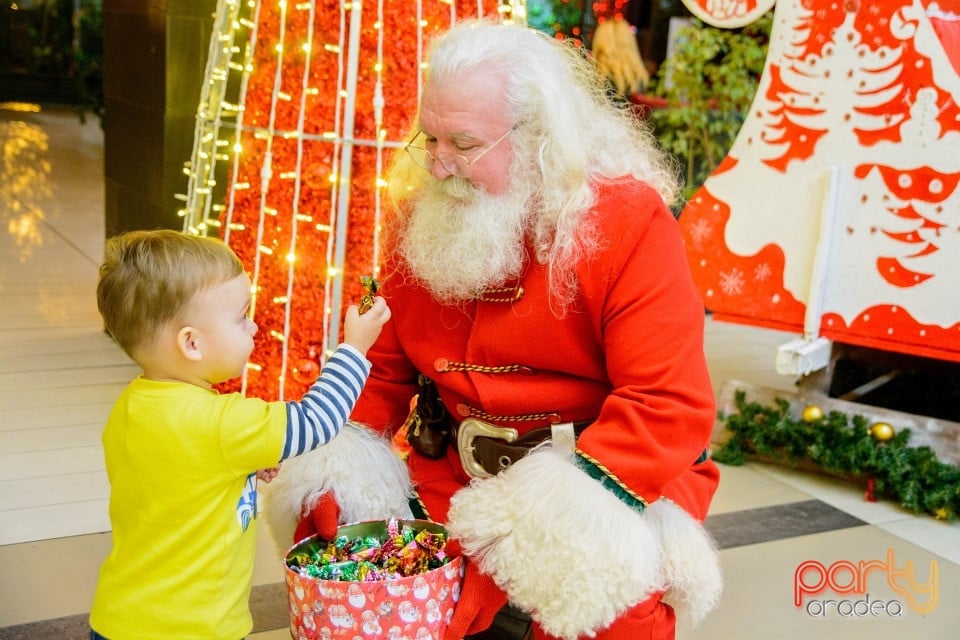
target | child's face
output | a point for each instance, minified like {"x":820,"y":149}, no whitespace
{"x":220,"y":314}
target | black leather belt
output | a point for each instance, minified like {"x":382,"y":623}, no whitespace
{"x":487,"y":449}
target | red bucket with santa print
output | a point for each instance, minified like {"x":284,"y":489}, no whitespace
{"x":415,"y":607}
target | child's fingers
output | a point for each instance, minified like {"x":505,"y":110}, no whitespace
{"x":374,"y":312}
{"x":381,"y":308}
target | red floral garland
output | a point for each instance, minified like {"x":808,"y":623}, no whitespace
{"x":399,"y":73}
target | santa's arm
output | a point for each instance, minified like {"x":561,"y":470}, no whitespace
{"x":357,"y":476}
{"x":577,"y":538}
{"x":656,"y":421}
{"x":575,"y":556}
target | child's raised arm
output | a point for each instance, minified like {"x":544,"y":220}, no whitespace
{"x":361,"y":331}
{"x":324,"y":409}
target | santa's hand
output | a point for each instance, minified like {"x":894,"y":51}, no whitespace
{"x":516,"y":526}
{"x":479,"y":602}
{"x":354,"y":478}
{"x":322,"y":520}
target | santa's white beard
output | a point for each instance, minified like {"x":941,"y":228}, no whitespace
{"x":460,"y":240}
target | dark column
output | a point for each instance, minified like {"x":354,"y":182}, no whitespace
{"x":652,"y":19}
{"x":155,"y":54}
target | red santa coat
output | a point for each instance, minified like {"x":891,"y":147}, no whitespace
{"x":628,"y":356}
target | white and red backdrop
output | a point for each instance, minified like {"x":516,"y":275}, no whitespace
{"x":837,"y":210}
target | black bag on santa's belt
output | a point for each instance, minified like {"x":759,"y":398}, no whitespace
{"x":428,"y":425}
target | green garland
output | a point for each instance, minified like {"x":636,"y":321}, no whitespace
{"x":912,"y":475}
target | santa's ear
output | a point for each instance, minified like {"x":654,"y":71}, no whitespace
{"x":188,"y":342}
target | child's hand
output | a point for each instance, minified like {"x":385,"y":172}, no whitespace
{"x":361,"y":331}
{"x":266,"y":475}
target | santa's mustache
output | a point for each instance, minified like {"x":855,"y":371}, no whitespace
{"x":461,"y":240}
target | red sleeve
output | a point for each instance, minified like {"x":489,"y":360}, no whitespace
{"x":657,"y":420}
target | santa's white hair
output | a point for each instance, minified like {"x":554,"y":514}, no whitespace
{"x":568,"y":136}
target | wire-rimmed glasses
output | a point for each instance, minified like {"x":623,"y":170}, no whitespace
{"x":454,"y":163}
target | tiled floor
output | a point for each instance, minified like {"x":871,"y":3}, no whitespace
{"x":59,"y":375}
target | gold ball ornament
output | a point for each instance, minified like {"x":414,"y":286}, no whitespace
{"x":812,"y":413}
{"x":882,"y":431}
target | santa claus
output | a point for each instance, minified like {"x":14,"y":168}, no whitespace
{"x":544,"y":313}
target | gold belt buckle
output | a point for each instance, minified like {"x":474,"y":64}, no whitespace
{"x":472,"y":428}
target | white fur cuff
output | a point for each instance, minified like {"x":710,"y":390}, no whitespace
{"x":570,"y":553}
{"x":367,"y":478}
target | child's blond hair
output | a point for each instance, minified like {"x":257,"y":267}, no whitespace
{"x":148,"y":277}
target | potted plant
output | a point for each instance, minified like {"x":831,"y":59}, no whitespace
{"x":708,"y":82}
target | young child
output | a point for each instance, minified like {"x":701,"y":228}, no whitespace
{"x":181,"y":458}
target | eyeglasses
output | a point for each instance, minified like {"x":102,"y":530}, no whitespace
{"x":454,"y":164}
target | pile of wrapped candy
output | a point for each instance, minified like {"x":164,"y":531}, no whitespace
{"x":403,"y":552}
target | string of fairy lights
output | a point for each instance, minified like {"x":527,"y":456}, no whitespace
{"x":215,"y":179}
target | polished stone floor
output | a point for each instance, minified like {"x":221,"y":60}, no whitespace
{"x":59,"y":375}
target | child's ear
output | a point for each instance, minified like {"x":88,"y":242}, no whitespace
{"x":188,"y":342}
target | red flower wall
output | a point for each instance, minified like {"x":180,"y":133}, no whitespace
{"x":305,"y":341}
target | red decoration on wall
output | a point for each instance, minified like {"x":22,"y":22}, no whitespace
{"x":842,"y":189}
{"x":891,"y":328}
{"x":728,"y":14}
{"x":324,"y":112}
{"x":730,"y":276}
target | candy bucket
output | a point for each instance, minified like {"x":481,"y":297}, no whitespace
{"x":417,"y":607}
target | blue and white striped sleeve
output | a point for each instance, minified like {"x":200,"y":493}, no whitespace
{"x":322,"y":412}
